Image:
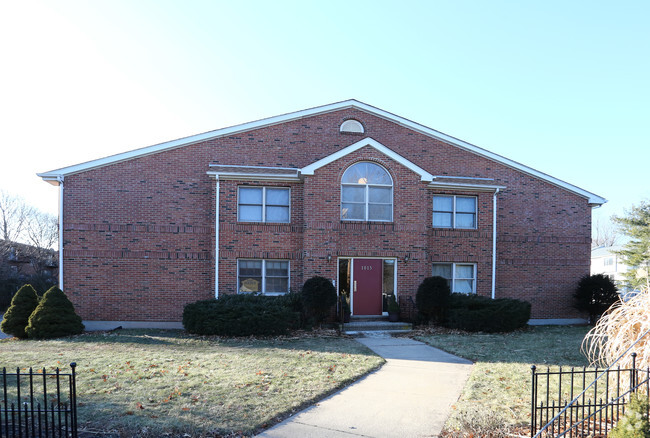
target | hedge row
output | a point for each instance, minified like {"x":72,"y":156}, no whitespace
{"x":474,"y":313}
{"x":243,"y":315}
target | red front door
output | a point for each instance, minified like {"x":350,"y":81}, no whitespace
{"x":367,"y":299}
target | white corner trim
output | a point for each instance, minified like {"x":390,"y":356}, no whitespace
{"x":309,"y":170}
{"x":591,"y":197}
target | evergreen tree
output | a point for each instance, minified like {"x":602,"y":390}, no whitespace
{"x":17,"y":316}
{"x":636,"y":225}
{"x":318,"y":297}
{"x":594,"y":295}
{"x":54,"y":317}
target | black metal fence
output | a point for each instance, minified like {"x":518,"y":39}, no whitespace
{"x":38,"y":404}
{"x":583,"y":402}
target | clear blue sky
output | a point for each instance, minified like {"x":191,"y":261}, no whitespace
{"x":563,"y":87}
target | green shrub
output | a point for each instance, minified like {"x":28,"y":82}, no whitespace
{"x":318,"y":297}
{"x":594,"y":295}
{"x":54,"y":317}
{"x":634,"y":423}
{"x":242,"y":315}
{"x":474,"y":313}
{"x":432,"y":298}
{"x":17,"y":316}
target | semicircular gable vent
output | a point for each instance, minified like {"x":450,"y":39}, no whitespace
{"x":352,"y":126}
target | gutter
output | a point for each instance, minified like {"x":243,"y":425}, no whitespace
{"x":60,"y":180}
{"x":216,"y":246}
{"x":494,"y":241}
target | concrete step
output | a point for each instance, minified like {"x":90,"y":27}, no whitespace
{"x":376,"y":325}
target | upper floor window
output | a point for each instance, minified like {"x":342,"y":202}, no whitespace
{"x":450,"y":211}
{"x":366,"y":193}
{"x":263,"y":204}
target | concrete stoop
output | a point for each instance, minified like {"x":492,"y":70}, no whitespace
{"x":375,"y":325}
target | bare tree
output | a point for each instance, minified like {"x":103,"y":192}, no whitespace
{"x":13,"y":216}
{"x":604,"y":233}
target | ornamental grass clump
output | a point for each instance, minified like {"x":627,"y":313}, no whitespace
{"x":625,"y":323}
{"x":54,"y":317}
{"x":17,"y":316}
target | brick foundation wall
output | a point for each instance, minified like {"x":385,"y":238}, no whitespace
{"x":139,"y":236}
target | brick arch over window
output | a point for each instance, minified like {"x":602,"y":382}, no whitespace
{"x":366,"y":193}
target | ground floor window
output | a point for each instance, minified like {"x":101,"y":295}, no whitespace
{"x":461,"y":276}
{"x":269,"y":277}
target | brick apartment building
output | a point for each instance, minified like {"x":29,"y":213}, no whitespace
{"x":348,"y":191}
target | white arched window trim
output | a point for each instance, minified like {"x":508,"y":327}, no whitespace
{"x":366,"y":193}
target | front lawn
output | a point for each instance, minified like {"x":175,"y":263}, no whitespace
{"x":152,"y":382}
{"x":498,"y":391}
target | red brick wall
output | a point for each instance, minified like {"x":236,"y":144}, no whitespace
{"x":139,"y":235}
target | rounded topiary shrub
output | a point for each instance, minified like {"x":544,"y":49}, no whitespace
{"x":318,"y":297}
{"x":242,"y":315}
{"x":432,"y":298}
{"x":54,"y":317}
{"x":481,"y":314}
{"x":17,"y":316}
{"x":594,"y":295}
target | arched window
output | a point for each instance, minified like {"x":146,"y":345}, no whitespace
{"x":366,"y":193}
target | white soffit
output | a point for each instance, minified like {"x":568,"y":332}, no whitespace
{"x":309,"y":170}
{"x":51,"y":175}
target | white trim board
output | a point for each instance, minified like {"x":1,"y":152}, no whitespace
{"x":309,"y":170}
{"x":50,"y":175}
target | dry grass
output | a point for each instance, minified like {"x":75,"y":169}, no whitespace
{"x":625,"y":323}
{"x":155,"y":383}
{"x":496,"y":398}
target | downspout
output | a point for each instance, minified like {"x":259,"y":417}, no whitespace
{"x":60,"y":180}
{"x":216,"y":248}
{"x":494,"y":242}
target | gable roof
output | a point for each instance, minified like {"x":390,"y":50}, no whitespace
{"x":54,"y":176}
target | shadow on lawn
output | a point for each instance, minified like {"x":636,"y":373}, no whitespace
{"x":541,"y":345}
{"x":324,"y":343}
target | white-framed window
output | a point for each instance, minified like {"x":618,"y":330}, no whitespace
{"x":269,"y":277}
{"x":609,"y":261}
{"x":263,"y":204}
{"x":461,"y":276}
{"x":366,"y":193}
{"x":452,"y":211}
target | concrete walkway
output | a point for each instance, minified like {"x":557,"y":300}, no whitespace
{"x":410,"y":396}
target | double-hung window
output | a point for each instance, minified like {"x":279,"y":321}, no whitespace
{"x":366,"y":193}
{"x":263,"y":204}
{"x":269,"y":277}
{"x":450,"y":211}
{"x":461,"y":276}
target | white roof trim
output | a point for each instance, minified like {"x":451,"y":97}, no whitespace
{"x":253,"y":176}
{"x":464,"y":186}
{"x":592,"y":198}
{"x":309,"y":170}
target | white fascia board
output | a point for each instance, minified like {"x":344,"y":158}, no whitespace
{"x":253,"y":176}
{"x":472,"y":187}
{"x":592,"y":198}
{"x":309,"y":170}
{"x":232,"y":130}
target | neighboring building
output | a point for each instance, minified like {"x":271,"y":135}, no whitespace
{"x":369,"y":199}
{"x":604,"y":260}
